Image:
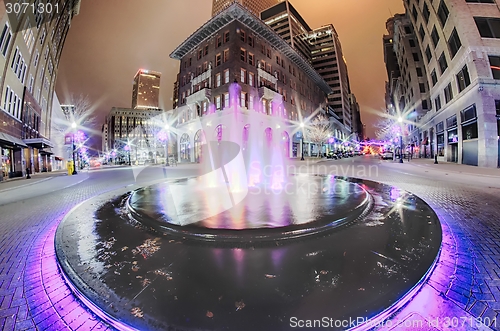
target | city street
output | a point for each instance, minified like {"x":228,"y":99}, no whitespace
{"x":465,"y":198}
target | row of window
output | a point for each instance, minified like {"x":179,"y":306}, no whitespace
{"x":18,"y":65}
{"x":12,"y":103}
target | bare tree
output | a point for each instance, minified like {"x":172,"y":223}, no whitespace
{"x":387,"y":129}
{"x":319,"y":130}
{"x":81,"y":111}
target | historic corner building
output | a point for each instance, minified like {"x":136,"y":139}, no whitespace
{"x":30,"y":47}
{"x":457,"y":43}
{"x":276,"y":87}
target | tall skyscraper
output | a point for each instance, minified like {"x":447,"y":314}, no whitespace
{"x":255,"y":6}
{"x":320,"y":47}
{"x":146,"y":90}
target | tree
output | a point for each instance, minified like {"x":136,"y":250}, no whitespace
{"x":388,"y":129}
{"x":319,"y":130}
{"x":81,"y":111}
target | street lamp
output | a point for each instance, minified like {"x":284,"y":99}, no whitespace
{"x":400,"y":120}
{"x":302,"y":140}
{"x":73,"y":126}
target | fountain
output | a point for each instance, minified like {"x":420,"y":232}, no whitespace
{"x":248,"y":244}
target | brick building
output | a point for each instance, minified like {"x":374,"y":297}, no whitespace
{"x":274,"y":84}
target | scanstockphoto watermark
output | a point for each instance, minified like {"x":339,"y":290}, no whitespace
{"x":344,"y":170}
{"x":447,"y":322}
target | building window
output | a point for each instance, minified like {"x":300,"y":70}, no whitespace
{"x":443,"y":64}
{"x":226,"y":76}
{"x":218,"y":58}
{"x":463,"y":79}
{"x":415,"y":57}
{"x":268,"y":53}
{"x":243,"y":36}
{"x":217,"y":80}
{"x":205,"y":50}
{"x":437,"y":102}
{"x":419,"y":72}
{"x":434,"y":77}
{"x":243,"y":99}
{"x":434,"y":37}
{"x":448,"y":93}
{"x":217,"y":102}
{"x":250,"y":41}
{"x":454,"y":43}
{"x":251,"y":59}
{"x":243,"y":75}
{"x":443,"y":13}
{"x":226,"y":55}
{"x":421,"y":86}
{"x":251,"y":79}
{"x":426,"y":13}
{"x":412,"y":43}
{"x":200,"y":53}
{"x":250,"y":102}
{"x":219,"y":41}
{"x":5,"y":39}
{"x":495,"y":66}
{"x":421,"y":32}
{"x":226,"y":36}
{"x":428,"y":54}
{"x":226,"y":100}
{"x":424,"y":105}
{"x":488,"y":27}
{"x":414,"y":13}
{"x":243,"y":55}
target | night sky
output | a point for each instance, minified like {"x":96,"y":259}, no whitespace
{"x":110,"y":40}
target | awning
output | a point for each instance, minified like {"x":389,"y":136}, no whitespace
{"x":9,"y":140}
{"x":57,"y":158}
{"x":39,"y":143}
{"x":46,"y":151}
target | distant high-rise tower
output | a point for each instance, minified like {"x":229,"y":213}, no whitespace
{"x":255,"y":6}
{"x":146,"y":91}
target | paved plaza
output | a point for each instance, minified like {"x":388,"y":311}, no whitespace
{"x":465,"y":284}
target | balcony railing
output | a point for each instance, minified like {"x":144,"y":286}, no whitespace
{"x":201,"y":77}
{"x":267,"y":76}
{"x":268,"y":93}
{"x":202,"y":95}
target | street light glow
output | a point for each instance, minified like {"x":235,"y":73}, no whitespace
{"x":400,"y":119}
{"x":73,"y":125}
{"x":302,"y":124}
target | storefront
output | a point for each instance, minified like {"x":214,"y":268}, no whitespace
{"x":469,"y":136}
{"x":440,"y":146}
{"x":11,"y":156}
{"x":452,"y":129}
{"x":39,"y":154}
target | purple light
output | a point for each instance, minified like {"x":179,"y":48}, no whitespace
{"x":331,"y":140}
{"x":127,"y":147}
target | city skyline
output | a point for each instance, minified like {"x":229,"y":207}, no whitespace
{"x":138,"y":52}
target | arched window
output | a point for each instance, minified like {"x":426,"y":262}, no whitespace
{"x":199,"y":140}
{"x":185,"y":147}
{"x":218,"y":132}
{"x":246,"y":133}
{"x":268,"y":136}
{"x":286,"y":144}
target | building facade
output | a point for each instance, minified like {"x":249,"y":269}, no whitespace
{"x":460,"y":42}
{"x":254,"y":6}
{"x":146,"y":90}
{"x":30,"y":44}
{"x":132,"y":136}
{"x":243,"y":82}
{"x":357,"y":125}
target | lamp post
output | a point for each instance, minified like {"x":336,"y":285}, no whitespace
{"x":302,"y":141}
{"x":400,"y":120}
{"x":73,"y":126}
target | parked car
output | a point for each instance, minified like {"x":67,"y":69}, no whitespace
{"x":387,"y":155}
{"x":331,"y":155}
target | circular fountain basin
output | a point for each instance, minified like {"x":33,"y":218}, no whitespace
{"x":138,"y":278}
{"x":296,"y":207}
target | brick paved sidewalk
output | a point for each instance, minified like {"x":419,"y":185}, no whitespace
{"x":455,"y":168}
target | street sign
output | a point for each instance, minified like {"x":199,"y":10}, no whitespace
{"x":68,"y":139}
